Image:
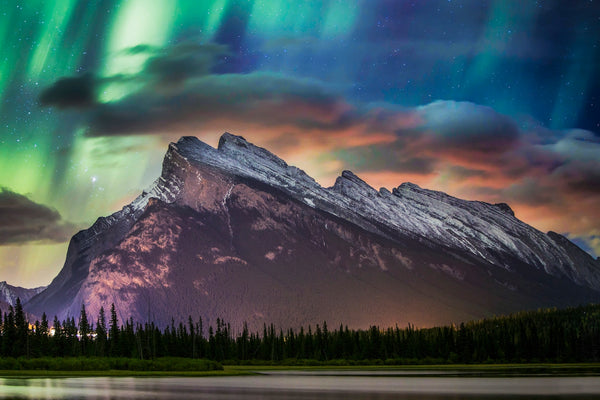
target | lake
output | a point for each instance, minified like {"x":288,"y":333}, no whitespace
{"x":299,"y":385}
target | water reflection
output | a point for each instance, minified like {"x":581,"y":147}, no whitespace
{"x":299,"y":386}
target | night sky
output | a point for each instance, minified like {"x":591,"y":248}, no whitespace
{"x":489,"y":100}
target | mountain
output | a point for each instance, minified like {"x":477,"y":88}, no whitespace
{"x":9,"y":294}
{"x":236,"y":233}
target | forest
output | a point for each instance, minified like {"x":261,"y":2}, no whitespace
{"x":547,"y":335}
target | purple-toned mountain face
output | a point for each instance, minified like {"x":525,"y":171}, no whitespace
{"x":9,"y":294}
{"x":236,"y":233}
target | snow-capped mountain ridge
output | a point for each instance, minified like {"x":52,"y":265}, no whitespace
{"x":486,"y":230}
{"x":433,"y":217}
{"x":235,"y":232}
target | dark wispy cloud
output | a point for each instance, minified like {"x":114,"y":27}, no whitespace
{"x":550,"y":177}
{"x":175,"y":65}
{"x":25,"y":221}
{"x":384,"y":157}
{"x":177,"y":89}
{"x":261,"y":97}
{"x":70,"y":92}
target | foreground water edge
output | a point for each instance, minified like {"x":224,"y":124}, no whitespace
{"x":309,"y":383}
{"x":476,"y":370}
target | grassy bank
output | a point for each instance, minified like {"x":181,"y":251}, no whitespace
{"x":482,"y":370}
{"x":445,"y":370}
{"x":83,"y":364}
{"x":118,"y":373}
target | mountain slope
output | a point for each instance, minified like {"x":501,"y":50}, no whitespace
{"x":9,"y":294}
{"x":235,"y":232}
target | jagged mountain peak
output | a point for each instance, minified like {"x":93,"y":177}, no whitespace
{"x":348,"y":181}
{"x":238,"y":147}
{"x":234,"y":154}
{"x":486,"y":230}
{"x":384,"y":192}
{"x":232,"y":147}
{"x":238,"y":221}
{"x":506,"y":208}
{"x":347,"y":174}
{"x":412,"y":189}
{"x":409,"y":186}
{"x":228,"y":139}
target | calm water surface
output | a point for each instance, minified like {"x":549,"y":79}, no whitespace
{"x":300,"y":385}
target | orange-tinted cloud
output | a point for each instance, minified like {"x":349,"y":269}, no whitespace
{"x":550,"y":178}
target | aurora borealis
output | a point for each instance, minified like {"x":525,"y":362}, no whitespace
{"x":490,"y":100}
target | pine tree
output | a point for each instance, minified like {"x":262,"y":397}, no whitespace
{"x":114,"y":332}
{"x":10,"y":333}
{"x":44,"y":325}
{"x":21,"y":343}
{"x":72,"y":347}
{"x":57,"y":345}
{"x":101,"y":334}
{"x":84,"y":330}
{"x":192,"y":335}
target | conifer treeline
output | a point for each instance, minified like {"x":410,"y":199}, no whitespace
{"x":568,"y":335}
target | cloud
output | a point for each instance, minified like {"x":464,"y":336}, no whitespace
{"x":174,"y":65}
{"x":379,"y":157}
{"x":531,"y":192}
{"x":594,"y":243}
{"x":178,"y":89}
{"x":467,"y":128}
{"x":71,"y":92}
{"x":25,"y":221}
{"x":443,"y":140}
{"x":550,"y":178}
{"x":577,"y":165}
{"x":267,"y":98}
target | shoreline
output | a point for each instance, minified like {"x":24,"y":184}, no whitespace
{"x":443,"y":370}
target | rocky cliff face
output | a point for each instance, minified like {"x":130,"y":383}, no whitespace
{"x":235,"y":232}
{"x":9,"y":294}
